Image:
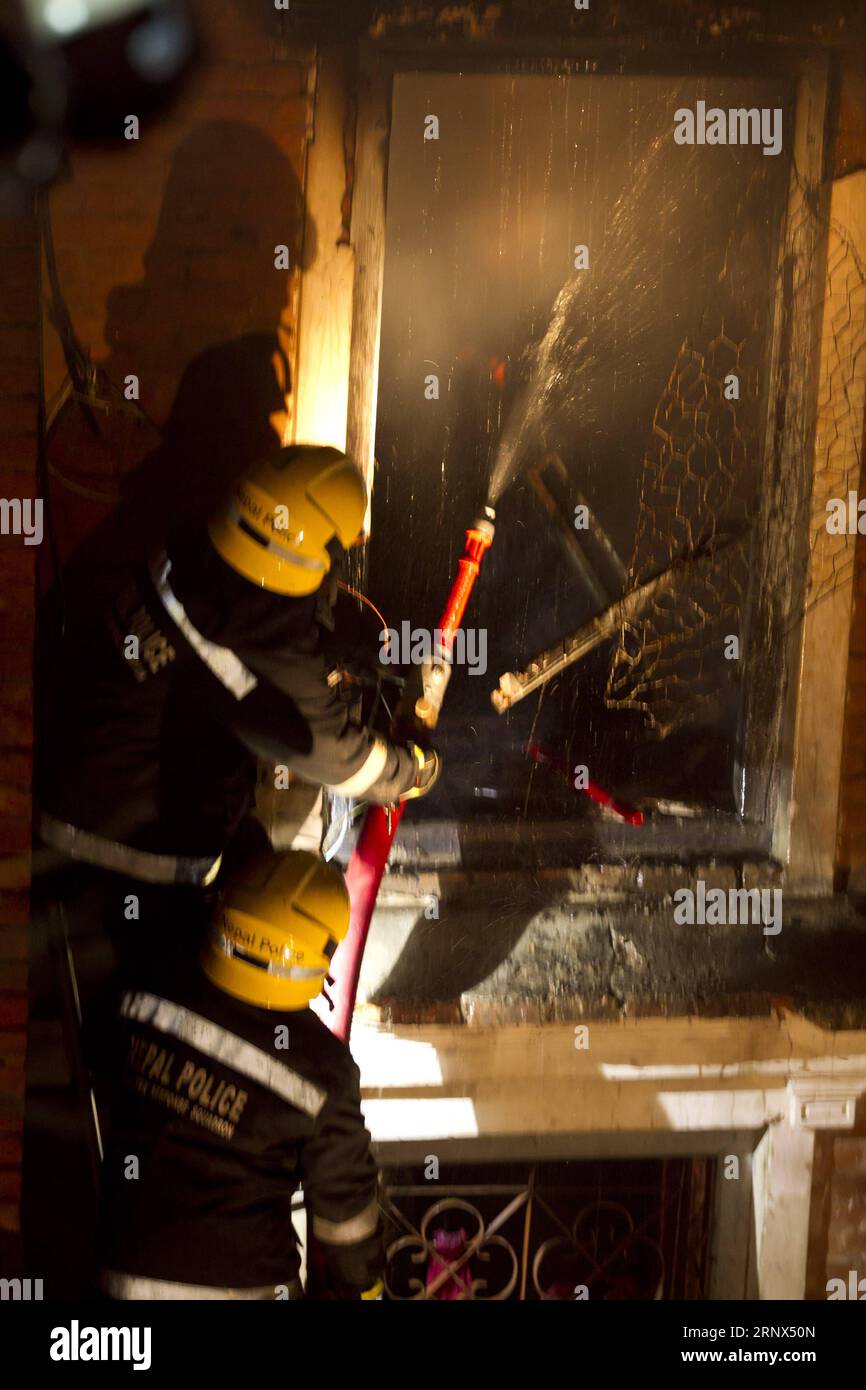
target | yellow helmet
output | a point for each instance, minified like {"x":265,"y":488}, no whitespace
{"x":276,"y":523}
{"x":273,"y":936}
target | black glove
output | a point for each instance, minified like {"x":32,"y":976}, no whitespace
{"x":354,"y":1271}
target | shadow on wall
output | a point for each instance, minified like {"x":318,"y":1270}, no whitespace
{"x":207,"y":333}
{"x":476,"y":936}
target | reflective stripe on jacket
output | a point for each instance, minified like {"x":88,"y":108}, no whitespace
{"x":164,"y":701}
{"x":226,"y":1110}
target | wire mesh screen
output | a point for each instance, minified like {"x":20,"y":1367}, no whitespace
{"x":693,"y":505}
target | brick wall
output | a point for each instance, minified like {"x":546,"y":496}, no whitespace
{"x":165,"y":251}
{"x":19,"y":371}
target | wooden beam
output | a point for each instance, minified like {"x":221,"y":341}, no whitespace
{"x":368,"y":240}
{"x":841,"y":412}
{"x":782,"y":534}
{"x":325,"y":309}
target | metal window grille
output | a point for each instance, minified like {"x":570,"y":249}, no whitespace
{"x":566,"y":1231}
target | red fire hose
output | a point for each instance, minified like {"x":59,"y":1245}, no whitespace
{"x":370,"y":855}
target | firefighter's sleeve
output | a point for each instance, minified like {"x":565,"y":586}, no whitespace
{"x":303,"y":724}
{"x":340,"y":1183}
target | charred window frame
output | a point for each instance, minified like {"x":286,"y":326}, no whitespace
{"x":771,"y":726}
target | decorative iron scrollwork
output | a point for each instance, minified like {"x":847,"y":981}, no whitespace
{"x":603,"y":1259}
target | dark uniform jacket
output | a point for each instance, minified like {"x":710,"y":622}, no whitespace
{"x":224,"y":1122}
{"x":155,"y":746}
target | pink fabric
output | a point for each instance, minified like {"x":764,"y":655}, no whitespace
{"x":450,"y":1245}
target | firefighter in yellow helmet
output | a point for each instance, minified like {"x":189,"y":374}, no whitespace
{"x":231,"y":1093}
{"x":277,"y":523}
{"x":209,"y":657}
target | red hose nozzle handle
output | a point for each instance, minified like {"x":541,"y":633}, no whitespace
{"x":479,"y":539}
{"x":436,"y":673}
